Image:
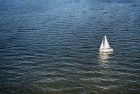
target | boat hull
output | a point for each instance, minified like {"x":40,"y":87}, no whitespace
{"x":106,"y":50}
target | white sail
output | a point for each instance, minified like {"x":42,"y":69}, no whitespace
{"x":106,"y":44}
{"x":101,"y":47}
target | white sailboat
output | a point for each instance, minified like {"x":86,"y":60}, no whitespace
{"x":105,"y":47}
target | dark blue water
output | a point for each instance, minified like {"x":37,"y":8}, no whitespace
{"x":51,"y":47}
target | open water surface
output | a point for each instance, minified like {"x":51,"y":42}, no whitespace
{"x":51,"y":47}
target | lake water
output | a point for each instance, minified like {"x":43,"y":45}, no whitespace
{"x":51,"y":47}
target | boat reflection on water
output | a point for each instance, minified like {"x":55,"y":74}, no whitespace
{"x":104,"y":62}
{"x":103,"y":57}
{"x":105,"y":65}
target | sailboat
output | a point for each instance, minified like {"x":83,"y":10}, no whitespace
{"x":105,"y":47}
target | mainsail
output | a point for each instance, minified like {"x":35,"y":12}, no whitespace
{"x":106,"y":44}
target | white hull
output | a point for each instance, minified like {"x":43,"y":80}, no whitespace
{"x":106,"y":50}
